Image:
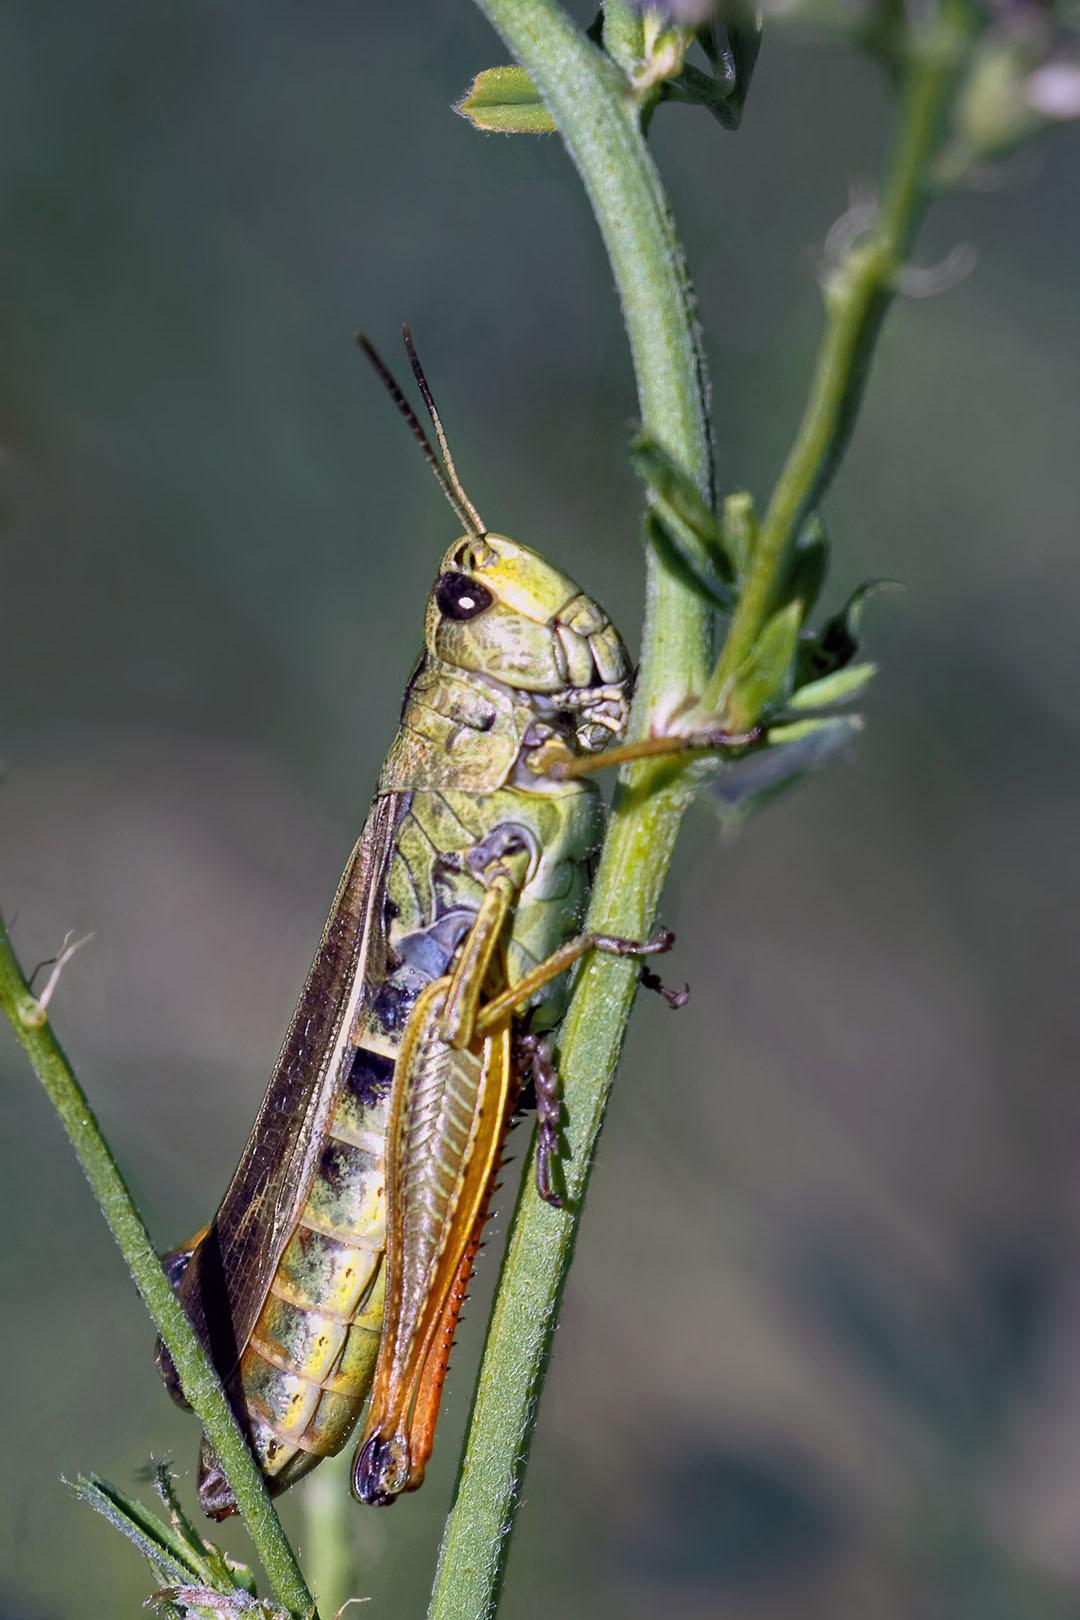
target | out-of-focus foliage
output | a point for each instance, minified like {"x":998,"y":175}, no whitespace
{"x":820,"y":1349}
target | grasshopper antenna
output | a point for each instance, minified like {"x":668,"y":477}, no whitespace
{"x":436,"y":422}
{"x":448,"y":480}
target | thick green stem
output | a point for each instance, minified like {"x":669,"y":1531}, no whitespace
{"x":27,"y":1018}
{"x":587,"y":98}
{"x":858,"y":292}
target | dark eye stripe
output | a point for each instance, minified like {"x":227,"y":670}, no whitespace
{"x":459,"y":597}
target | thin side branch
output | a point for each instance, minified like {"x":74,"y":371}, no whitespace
{"x":26,"y":1014}
{"x":859,"y":287}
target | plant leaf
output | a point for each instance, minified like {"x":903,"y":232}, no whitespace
{"x":680,"y":525}
{"x":835,"y":644}
{"x":172,"y":1559}
{"x":504,"y":100}
{"x":676,"y":496}
{"x":739,"y":526}
{"x":763,"y":681}
{"x":224,"y":1573}
{"x":732,"y":49}
{"x":838,"y":687}
{"x":702,"y":90}
{"x":739,"y":788}
{"x":181,"y":1524}
{"x":687,"y":560}
{"x":197,"y":1579}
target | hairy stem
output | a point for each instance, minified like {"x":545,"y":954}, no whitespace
{"x":27,"y":1018}
{"x":858,"y":292}
{"x":587,"y":98}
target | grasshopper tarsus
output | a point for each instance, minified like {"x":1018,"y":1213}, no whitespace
{"x":674,"y":998}
{"x":546,"y":1151}
{"x":538,"y":1069}
{"x":549,"y":1195}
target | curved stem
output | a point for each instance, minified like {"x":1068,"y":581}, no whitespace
{"x":587,"y":98}
{"x":200,"y":1383}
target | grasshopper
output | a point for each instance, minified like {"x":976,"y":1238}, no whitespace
{"x":338,"y":1260}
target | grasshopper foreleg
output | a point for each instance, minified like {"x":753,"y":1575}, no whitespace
{"x":558,"y":762}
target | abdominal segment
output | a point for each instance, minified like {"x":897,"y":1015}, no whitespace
{"x":307,"y":1367}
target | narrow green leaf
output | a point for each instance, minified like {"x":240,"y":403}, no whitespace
{"x":702,"y":90}
{"x":839,"y":687}
{"x":688,"y":561}
{"x":739,"y":526}
{"x":764,"y":680}
{"x":797,"y":731}
{"x":172,"y":1560}
{"x":197,"y":1580}
{"x":504,"y":100}
{"x":201,"y":1553}
{"x":680,"y":527}
{"x":678,"y":500}
{"x":732,"y":42}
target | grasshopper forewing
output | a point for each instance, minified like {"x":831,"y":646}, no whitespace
{"x":371,"y":1161}
{"x":235,"y":1282}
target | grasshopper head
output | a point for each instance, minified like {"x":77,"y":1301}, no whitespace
{"x":500,"y":610}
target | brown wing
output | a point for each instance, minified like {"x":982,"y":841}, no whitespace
{"x":225,"y":1283}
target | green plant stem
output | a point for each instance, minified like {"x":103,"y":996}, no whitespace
{"x":200,"y":1383}
{"x":587,"y":98}
{"x":858,"y":292}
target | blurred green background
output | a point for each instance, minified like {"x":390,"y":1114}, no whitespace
{"x":820,"y":1353}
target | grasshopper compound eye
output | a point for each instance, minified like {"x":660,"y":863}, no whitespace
{"x":459,"y":597}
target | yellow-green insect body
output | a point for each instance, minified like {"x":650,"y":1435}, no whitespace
{"x":472,"y":846}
